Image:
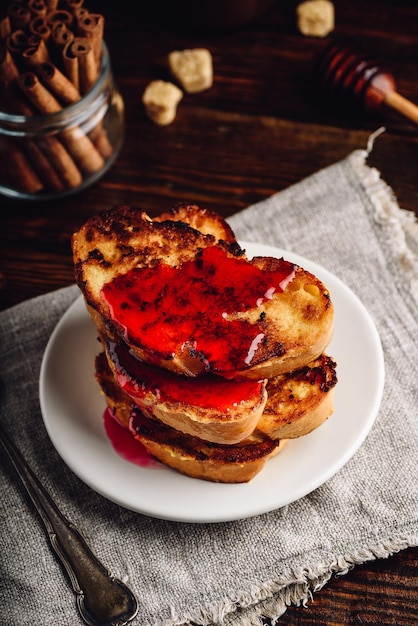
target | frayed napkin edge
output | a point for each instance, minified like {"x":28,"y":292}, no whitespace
{"x":397,"y":223}
{"x":296,"y":587}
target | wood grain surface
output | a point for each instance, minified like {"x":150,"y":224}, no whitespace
{"x":264,"y":125}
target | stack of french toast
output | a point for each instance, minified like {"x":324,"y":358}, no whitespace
{"x":212,"y":360}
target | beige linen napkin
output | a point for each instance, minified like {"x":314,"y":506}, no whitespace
{"x":232,"y":573}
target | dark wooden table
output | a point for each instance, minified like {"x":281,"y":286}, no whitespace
{"x":263,"y":126}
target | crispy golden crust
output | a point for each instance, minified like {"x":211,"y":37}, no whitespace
{"x":233,"y":469}
{"x":203,"y":220}
{"x":299,"y":401}
{"x":296,"y":325}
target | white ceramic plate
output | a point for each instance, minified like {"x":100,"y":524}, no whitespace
{"x":73,"y":408}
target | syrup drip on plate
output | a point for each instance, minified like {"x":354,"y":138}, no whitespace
{"x":125,"y":445}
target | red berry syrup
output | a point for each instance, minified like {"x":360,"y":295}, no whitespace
{"x":166,"y":309}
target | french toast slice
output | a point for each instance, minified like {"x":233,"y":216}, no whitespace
{"x":209,"y":407}
{"x":189,"y":455}
{"x":299,"y":401}
{"x":191,"y":303}
{"x":226,"y":411}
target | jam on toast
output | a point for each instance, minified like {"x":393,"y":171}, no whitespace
{"x":192,"y":303}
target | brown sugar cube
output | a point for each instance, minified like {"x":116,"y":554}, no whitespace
{"x":160,"y":99}
{"x":192,"y":68}
{"x":315,"y":18}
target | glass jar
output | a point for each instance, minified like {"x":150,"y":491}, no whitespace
{"x":46,"y":156}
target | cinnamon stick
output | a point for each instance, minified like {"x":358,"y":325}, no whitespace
{"x":43,"y":166}
{"x":17,"y":42}
{"x":61,"y":87}
{"x":76,"y":141}
{"x":83,"y":150}
{"x":92,"y":27}
{"x":74,"y":5}
{"x":19,"y":15}
{"x":8,"y":78}
{"x":80,"y":13}
{"x":81,"y":65}
{"x":16,"y":171}
{"x":81,"y":50}
{"x":60,"y":36}
{"x":5,"y":27}
{"x":8,"y":68}
{"x":41,"y":98}
{"x":101,"y":140}
{"x":49,"y":154}
{"x":60,"y":15}
{"x":70,"y":64}
{"x":61,"y":161}
{"x":51,"y":5}
{"x":37,"y":8}
{"x":16,"y":103}
{"x":36,"y":52}
{"x":39,"y":26}
{"x":87,"y":71}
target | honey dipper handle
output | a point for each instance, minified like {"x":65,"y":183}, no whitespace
{"x":403,"y":106}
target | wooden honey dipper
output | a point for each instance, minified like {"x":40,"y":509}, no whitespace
{"x":344,"y":71}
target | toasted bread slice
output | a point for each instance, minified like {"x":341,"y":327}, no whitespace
{"x":209,"y":407}
{"x":299,"y":401}
{"x":208,"y":461}
{"x":227,"y":411}
{"x":190,"y":303}
{"x":187,"y":454}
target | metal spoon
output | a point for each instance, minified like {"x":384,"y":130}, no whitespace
{"x":101,"y":599}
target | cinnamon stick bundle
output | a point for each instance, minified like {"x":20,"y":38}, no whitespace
{"x":50,"y":56}
{"x":76,"y":141}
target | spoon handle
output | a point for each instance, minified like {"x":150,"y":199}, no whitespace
{"x":101,"y":599}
